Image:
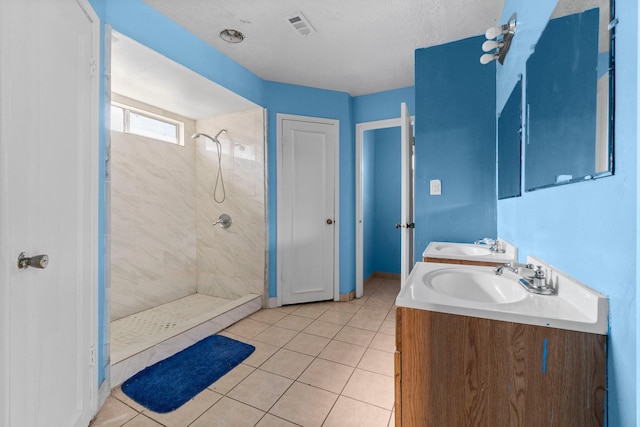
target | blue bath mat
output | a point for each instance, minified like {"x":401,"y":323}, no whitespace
{"x":172,"y":382}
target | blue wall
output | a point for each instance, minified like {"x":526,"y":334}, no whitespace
{"x":305,"y":101}
{"x":368,"y":198}
{"x":100,"y":8}
{"x":370,"y":108}
{"x":455,"y":143}
{"x":382,"y":105}
{"x":384,"y":241}
{"x":141,"y":22}
{"x":589,"y":230}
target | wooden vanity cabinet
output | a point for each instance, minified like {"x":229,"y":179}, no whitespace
{"x":453,"y":371}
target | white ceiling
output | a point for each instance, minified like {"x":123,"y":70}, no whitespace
{"x":359,"y":47}
{"x":142,"y":74}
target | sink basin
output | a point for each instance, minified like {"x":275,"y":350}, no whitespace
{"x":478,"y":286}
{"x":462,"y":249}
{"x":469,"y":252}
{"x":476,"y":291}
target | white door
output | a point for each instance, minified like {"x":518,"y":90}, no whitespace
{"x":48,"y":205}
{"x":307,"y":208}
{"x":407,"y":195}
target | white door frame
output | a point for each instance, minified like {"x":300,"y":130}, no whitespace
{"x":280,"y":201}
{"x":361,"y":128}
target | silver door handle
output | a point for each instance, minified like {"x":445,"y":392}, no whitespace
{"x":410,"y":225}
{"x":38,"y":261}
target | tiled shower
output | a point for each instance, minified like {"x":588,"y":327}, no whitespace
{"x":172,"y":271}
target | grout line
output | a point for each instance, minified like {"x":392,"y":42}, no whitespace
{"x":363,"y":304}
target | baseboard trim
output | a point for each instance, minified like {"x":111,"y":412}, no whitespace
{"x":381,"y":275}
{"x":347,"y":297}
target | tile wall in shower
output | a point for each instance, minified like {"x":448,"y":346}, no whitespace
{"x":231,"y":261}
{"x":153,"y":219}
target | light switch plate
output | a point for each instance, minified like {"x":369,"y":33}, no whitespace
{"x":435,"y":187}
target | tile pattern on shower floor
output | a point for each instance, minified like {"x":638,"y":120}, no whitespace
{"x":319,"y":364}
{"x":146,"y":325}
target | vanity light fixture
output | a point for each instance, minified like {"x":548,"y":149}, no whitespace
{"x":231,"y":36}
{"x":498,"y":38}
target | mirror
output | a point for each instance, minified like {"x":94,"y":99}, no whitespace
{"x":509,"y":145}
{"x":569,"y":83}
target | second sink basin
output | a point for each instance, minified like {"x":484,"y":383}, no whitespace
{"x":478,"y":286}
{"x":445,"y":252}
{"x":462,"y":249}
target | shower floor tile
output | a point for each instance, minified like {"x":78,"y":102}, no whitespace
{"x":150,"y":325}
{"x":344,"y":380}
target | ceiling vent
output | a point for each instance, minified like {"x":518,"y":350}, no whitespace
{"x":299,"y":23}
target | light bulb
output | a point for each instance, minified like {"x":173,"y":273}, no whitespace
{"x":488,"y":57}
{"x":493,"y":32}
{"x":491,"y":44}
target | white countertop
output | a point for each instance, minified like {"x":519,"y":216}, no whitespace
{"x":574,"y":307}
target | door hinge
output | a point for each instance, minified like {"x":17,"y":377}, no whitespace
{"x":93,"y":67}
{"x":92,"y":356}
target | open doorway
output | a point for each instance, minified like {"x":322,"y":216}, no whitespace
{"x":379,"y":190}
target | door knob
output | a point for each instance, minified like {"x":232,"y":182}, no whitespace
{"x":329,"y":221}
{"x":38,"y":261}
{"x":399,"y":226}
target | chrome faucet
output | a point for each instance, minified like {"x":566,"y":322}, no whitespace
{"x":513,"y":266}
{"x":495,"y":245}
{"x":485,"y":241}
{"x":498,"y":247}
{"x":532,"y":279}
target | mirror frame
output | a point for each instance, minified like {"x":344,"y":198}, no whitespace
{"x":610,"y":116}
{"x":507,"y":142}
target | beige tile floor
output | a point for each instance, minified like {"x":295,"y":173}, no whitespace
{"x":318,"y":364}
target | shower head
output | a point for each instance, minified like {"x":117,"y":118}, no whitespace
{"x":213,"y":138}
{"x":199,"y":134}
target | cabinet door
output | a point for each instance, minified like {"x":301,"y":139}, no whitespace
{"x":466,"y":371}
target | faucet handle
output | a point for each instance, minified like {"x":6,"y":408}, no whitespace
{"x":539,"y":273}
{"x":486,"y":241}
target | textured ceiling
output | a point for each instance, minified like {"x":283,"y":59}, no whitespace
{"x":359,"y":47}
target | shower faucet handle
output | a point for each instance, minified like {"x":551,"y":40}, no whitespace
{"x":224,"y":221}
